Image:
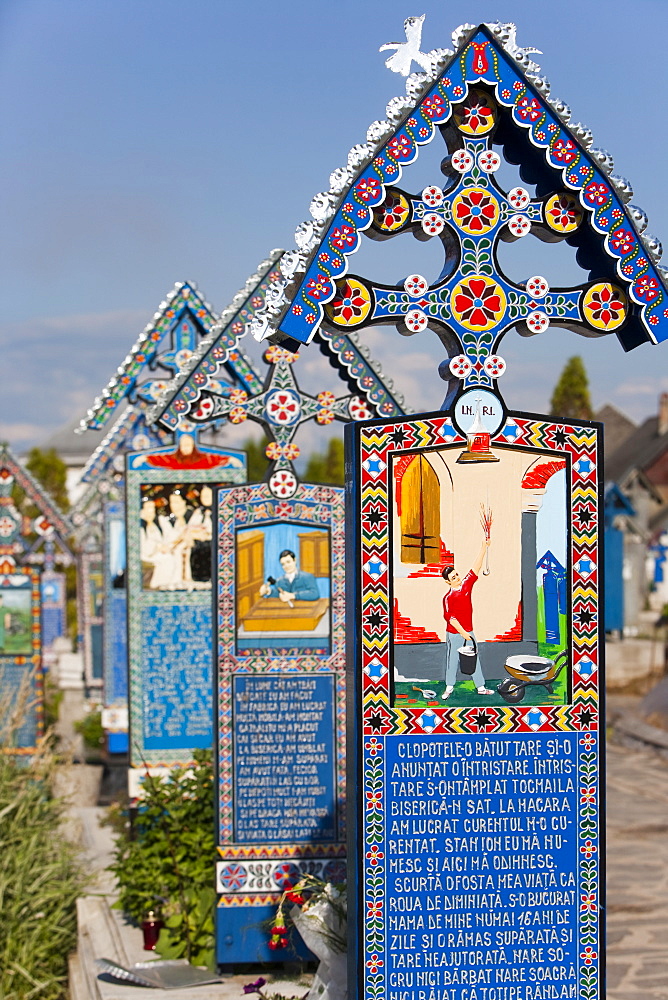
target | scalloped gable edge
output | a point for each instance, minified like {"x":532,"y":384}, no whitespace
{"x":292,"y":315}
{"x":115,"y":441}
{"x":36,"y":492}
{"x":223,"y":332}
{"x":184,"y":294}
{"x":351,"y":359}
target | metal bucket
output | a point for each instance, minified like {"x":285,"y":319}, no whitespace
{"x":467,"y":658}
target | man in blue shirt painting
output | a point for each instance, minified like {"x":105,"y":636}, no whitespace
{"x":294,"y":585}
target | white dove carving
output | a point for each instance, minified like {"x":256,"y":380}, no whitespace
{"x":408,"y":51}
{"x":518,"y":52}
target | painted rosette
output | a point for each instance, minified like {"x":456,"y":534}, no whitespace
{"x":237,"y":415}
{"x":286,"y":875}
{"x":518,"y":198}
{"x":275,"y":354}
{"x":393,"y":213}
{"x":604,"y":306}
{"x":282,"y":407}
{"x":537,"y":321}
{"x":475,"y":211}
{"x":433,"y":224}
{"x":460,"y":366}
{"x":462,"y":161}
{"x":519,"y":226}
{"x":478,"y":303}
{"x":476,"y":115}
{"x":432,"y":196}
{"x":358,"y":409}
{"x":274,"y":451}
{"x":233,"y":876}
{"x":283,"y":484}
{"x":416,"y":321}
{"x":416,"y":284}
{"x":205,"y":409}
{"x":562,"y":213}
{"x":495,"y":366}
{"x":489,"y":161}
{"x":537,"y":286}
{"x":351,"y":304}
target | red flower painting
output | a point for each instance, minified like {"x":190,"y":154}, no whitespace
{"x":606,"y":306}
{"x":476,"y":211}
{"x":478,"y":302}
{"x":349,"y":304}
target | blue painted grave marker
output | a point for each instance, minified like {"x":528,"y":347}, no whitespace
{"x":281,"y":711}
{"x":169,"y":500}
{"x":115,"y":607}
{"x":476,"y":807}
{"x":474,"y":532}
{"x":53,"y":606}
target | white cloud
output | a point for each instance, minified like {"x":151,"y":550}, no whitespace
{"x":648,"y":387}
{"x":22,"y":433}
{"x":55,"y":366}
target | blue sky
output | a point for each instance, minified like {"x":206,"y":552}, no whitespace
{"x":148,"y":141}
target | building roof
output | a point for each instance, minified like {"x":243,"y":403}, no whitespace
{"x":74,"y":449}
{"x":638,"y":451}
{"x":618,"y":427}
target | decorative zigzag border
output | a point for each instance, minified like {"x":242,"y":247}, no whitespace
{"x":580,"y":717}
{"x":243,"y":507}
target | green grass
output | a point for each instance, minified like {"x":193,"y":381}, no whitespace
{"x":40,"y":879}
{"x":19,"y":642}
{"x":465,"y":694}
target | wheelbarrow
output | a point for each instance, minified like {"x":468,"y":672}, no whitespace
{"x":525,"y":670}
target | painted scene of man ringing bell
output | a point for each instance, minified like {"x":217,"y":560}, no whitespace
{"x":480,"y":576}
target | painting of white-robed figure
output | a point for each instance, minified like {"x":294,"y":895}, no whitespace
{"x":175,"y":536}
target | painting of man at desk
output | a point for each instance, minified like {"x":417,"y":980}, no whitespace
{"x":283,"y":588}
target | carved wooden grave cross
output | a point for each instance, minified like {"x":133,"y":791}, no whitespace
{"x":473,"y":552}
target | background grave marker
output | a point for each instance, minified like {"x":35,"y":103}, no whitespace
{"x":33,"y":535}
{"x":169,"y":599}
{"x":279,"y":663}
{"x":183,"y":322}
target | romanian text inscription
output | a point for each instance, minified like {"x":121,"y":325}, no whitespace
{"x":176,"y":677}
{"x":117,"y":671}
{"x":18,"y":684}
{"x":481,"y":858}
{"x":284,"y":790}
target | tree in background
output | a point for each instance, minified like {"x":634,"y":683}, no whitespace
{"x":327,"y":468}
{"x":49,"y":469}
{"x":570,"y":398}
{"x":256,"y":458}
{"x":321,"y":467}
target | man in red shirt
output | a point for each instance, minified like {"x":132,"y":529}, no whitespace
{"x":458,"y":614}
